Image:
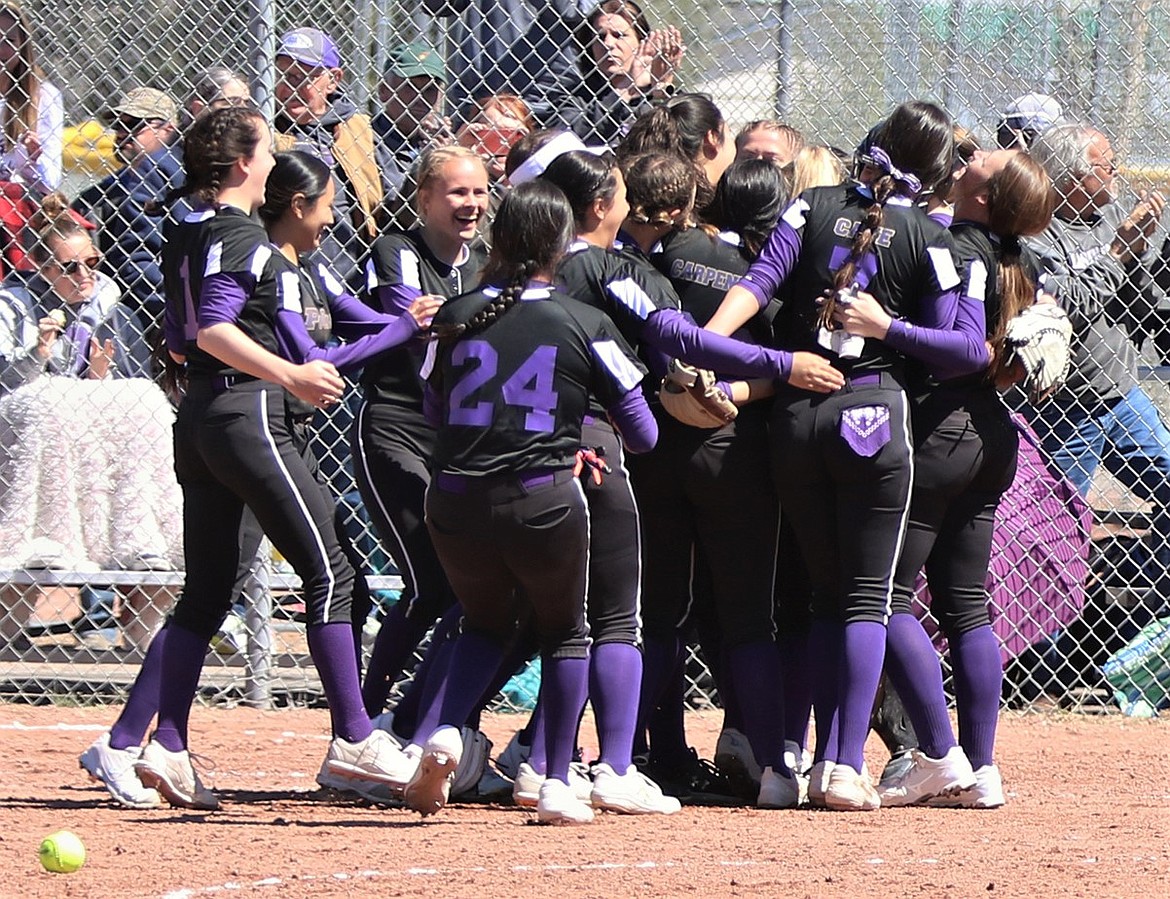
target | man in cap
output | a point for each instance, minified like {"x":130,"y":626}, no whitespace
{"x":1024,"y":119}
{"x":145,"y":126}
{"x":314,"y":115}
{"x":1096,"y":259}
{"x":413,"y":95}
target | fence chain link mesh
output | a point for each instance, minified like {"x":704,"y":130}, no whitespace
{"x":89,"y":516}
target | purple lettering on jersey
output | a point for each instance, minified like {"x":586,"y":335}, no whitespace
{"x":480,"y":414}
{"x":537,"y":370}
{"x":866,"y":267}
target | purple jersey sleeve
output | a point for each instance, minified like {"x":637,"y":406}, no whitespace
{"x":632,"y":418}
{"x":948,"y":351}
{"x":297,"y":346}
{"x":778,"y":257}
{"x":671,"y":332}
{"x":223,"y":296}
{"x":353,"y":319}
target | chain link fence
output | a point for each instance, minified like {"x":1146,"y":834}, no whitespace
{"x":89,"y":515}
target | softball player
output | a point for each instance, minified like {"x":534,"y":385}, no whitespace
{"x":235,"y":316}
{"x":964,"y":460}
{"x":509,"y":388}
{"x":843,"y":463}
{"x":393,"y":443}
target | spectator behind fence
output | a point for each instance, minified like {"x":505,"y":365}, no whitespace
{"x":499,"y":122}
{"x":313,"y":115}
{"x":67,"y":318}
{"x":31,"y":112}
{"x":769,"y":139}
{"x":214,"y":88}
{"x":413,"y":97}
{"x":145,"y":126}
{"x":1025,"y":119}
{"x":622,"y":67}
{"x":1093,"y":258}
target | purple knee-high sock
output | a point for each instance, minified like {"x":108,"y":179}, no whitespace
{"x":182,"y":663}
{"x":397,"y":640}
{"x":436,"y":659}
{"x":796,"y":675}
{"x":536,"y":730}
{"x":331,"y":647}
{"x":668,"y":732}
{"x":913,"y":668}
{"x":861,"y":669}
{"x":825,"y":648}
{"x":142,"y":703}
{"x":754,"y":669}
{"x":475,"y":658}
{"x":978,"y":684}
{"x":566,"y":683}
{"x":614,"y":670}
{"x":659,"y":658}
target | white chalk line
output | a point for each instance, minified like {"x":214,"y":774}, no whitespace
{"x":236,"y":886}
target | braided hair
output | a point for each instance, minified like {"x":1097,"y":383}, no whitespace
{"x":216,"y":142}
{"x":656,"y":184}
{"x":584,"y":178}
{"x":531,"y":231}
{"x":912,"y":148}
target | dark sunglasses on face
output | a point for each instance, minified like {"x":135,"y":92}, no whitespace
{"x":73,"y":266}
{"x":133,"y":126}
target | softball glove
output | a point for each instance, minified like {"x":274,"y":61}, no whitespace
{"x":691,"y":395}
{"x":1039,"y":338}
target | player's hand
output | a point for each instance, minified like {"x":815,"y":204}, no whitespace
{"x":863,"y":316}
{"x":813,"y":372}
{"x":317,"y":383}
{"x":423,"y":309}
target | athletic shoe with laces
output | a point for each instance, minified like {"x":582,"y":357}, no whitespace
{"x":896,"y":767}
{"x":514,"y":753}
{"x":693,"y":780}
{"x":430,"y":787}
{"x":851,"y":791}
{"x":632,"y":793}
{"x":385,"y":722}
{"x":379,"y":793}
{"x":477,"y":749}
{"x":375,"y":760}
{"x":526,"y":784}
{"x":557,"y":803}
{"x":986,"y":793}
{"x":928,"y":777}
{"x":799,"y":761}
{"x":736,"y":761}
{"x":173,"y":775}
{"x":778,"y":790}
{"x":818,"y":782}
{"x":115,"y":769}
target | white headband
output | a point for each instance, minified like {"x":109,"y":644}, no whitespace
{"x":534,"y":165}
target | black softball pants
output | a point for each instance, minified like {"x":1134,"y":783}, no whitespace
{"x":234,"y":448}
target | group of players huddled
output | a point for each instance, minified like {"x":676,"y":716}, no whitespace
{"x":513,"y":455}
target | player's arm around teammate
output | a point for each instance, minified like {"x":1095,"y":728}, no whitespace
{"x":509,"y":387}
{"x":843,"y":463}
{"x":965,"y":458}
{"x":233,"y":447}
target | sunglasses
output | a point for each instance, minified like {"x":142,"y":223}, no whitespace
{"x":73,"y":266}
{"x":133,"y":126}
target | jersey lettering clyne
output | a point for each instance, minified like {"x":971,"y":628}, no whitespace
{"x":912,"y":257}
{"x":401,"y":268}
{"x":515,"y":393}
{"x":208,"y":242}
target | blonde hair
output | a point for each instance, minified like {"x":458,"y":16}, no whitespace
{"x":815,"y":166}
{"x":23,"y":95}
{"x":432,"y":161}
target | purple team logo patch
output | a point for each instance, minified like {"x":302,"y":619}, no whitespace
{"x":866,"y":428}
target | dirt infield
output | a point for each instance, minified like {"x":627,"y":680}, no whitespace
{"x":1087,"y":815}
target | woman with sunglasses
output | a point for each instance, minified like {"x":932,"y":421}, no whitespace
{"x":74,"y":322}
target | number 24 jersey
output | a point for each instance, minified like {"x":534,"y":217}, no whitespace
{"x":514,"y":394}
